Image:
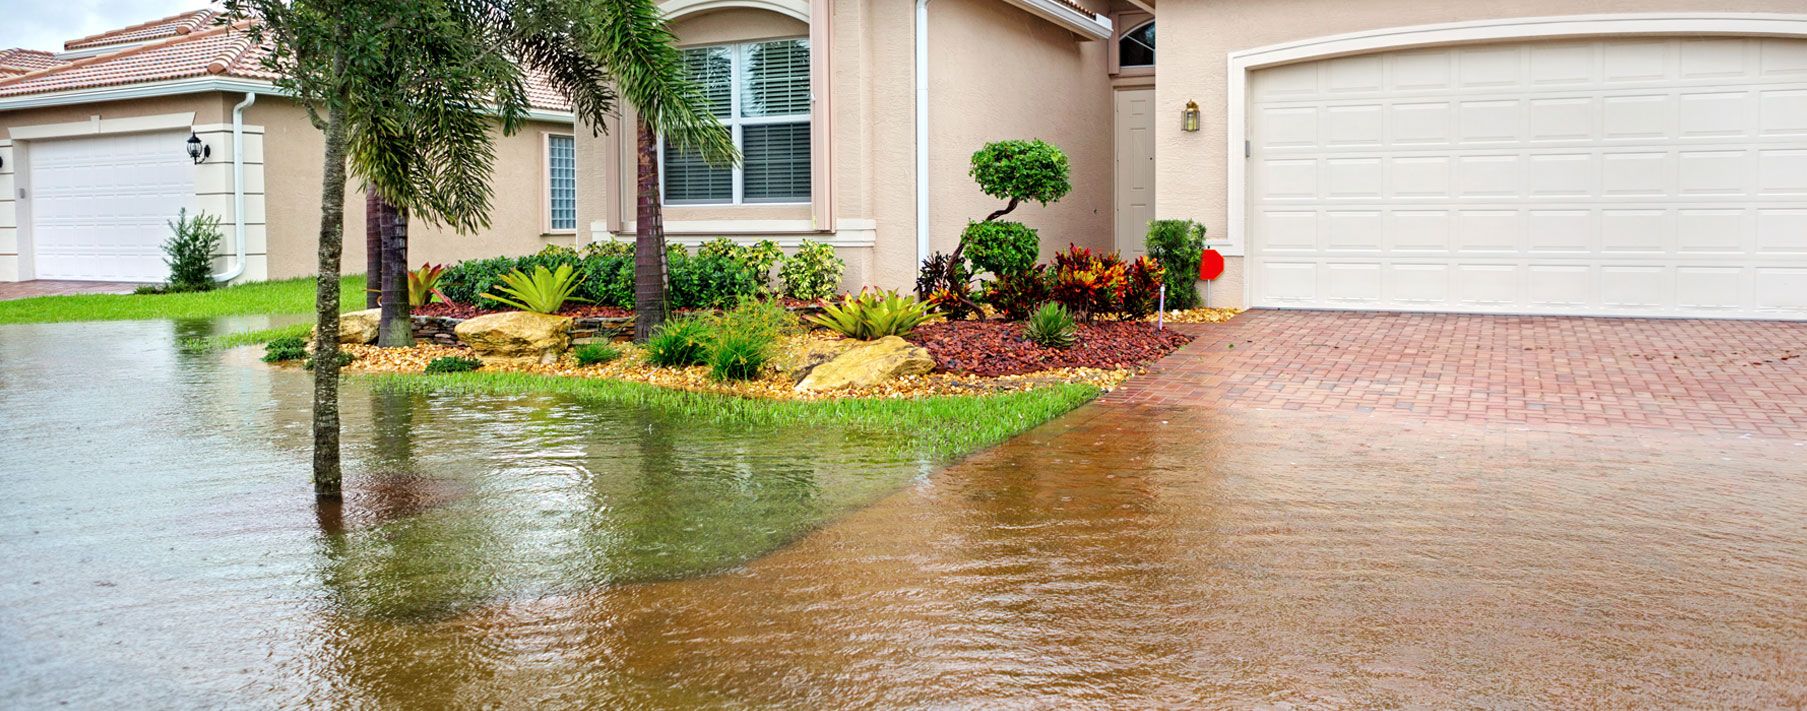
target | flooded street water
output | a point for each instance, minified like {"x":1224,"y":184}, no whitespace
{"x":162,"y":549}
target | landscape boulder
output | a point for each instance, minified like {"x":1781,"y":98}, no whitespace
{"x":358,"y":327}
{"x":869,"y":364}
{"x":798,"y":361}
{"x":516,"y":334}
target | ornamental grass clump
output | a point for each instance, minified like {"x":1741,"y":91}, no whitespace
{"x":737,"y":355}
{"x":1051,"y":326}
{"x":544,"y":292}
{"x":452,"y":364}
{"x":679,"y":342}
{"x":872,"y":315}
{"x":596,"y":353}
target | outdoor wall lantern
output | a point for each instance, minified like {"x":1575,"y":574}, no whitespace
{"x":1189,"y":117}
{"x":197,"y":150}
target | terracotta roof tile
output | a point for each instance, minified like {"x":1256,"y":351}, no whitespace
{"x":20,"y":61}
{"x":162,"y":28}
{"x":211,"y":50}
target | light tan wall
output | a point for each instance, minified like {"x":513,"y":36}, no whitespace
{"x":997,"y":72}
{"x":293,"y":152}
{"x":1197,"y":37}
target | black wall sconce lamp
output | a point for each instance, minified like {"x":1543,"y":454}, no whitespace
{"x":198,"y":151}
{"x":1189,"y":117}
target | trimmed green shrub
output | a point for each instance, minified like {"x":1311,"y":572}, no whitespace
{"x":466,"y":281}
{"x":453,"y":364}
{"x":285,"y":348}
{"x":1051,"y":326}
{"x":1015,"y":296}
{"x":189,"y":251}
{"x":872,"y":315}
{"x":812,"y":273}
{"x":1001,"y":247}
{"x":679,"y":342}
{"x":608,"y":280}
{"x":1177,"y":245}
{"x":1021,"y":170}
{"x":611,"y":248}
{"x":708,"y":281}
{"x":596,"y":353}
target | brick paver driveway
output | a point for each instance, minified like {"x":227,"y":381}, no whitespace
{"x":51,"y":287}
{"x":1705,"y":376}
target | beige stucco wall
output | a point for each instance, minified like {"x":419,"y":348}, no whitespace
{"x":1192,"y":178}
{"x":293,"y":151}
{"x":995,"y":72}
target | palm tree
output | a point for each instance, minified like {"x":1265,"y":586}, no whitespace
{"x":406,"y":93}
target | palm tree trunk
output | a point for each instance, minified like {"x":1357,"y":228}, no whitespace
{"x":649,"y":238}
{"x":396,"y":329}
{"x":373,"y":250}
{"x":326,"y":312}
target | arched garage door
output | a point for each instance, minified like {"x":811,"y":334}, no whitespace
{"x":1647,"y":177}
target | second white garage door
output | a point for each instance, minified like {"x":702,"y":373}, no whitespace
{"x":100,"y":206}
{"x":1657,"y":177}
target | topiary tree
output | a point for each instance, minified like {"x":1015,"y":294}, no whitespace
{"x":1014,"y":171}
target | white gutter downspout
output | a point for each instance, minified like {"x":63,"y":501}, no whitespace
{"x":238,"y":190}
{"x":922,"y":131}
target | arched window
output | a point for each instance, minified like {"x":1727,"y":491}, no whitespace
{"x":1136,"y":47}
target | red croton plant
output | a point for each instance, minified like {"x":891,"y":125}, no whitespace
{"x":1091,"y":283}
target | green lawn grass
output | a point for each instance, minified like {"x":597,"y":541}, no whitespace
{"x":288,"y":296}
{"x":944,"y":427}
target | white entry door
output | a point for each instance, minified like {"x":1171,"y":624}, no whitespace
{"x":1648,"y":176}
{"x":1135,"y":170}
{"x":100,"y":206}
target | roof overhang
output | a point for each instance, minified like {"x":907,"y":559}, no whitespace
{"x":1087,"y":26}
{"x":175,"y":87}
{"x":1146,"y":5}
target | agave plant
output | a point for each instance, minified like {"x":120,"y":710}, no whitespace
{"x":1051,"y":326}
{"x":544,"y":292}
{"x":422,"y":284}
{"x":872,"y":315}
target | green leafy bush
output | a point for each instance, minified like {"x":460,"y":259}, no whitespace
{"x":610,"y":248}
{"x":944,"y":282}
{"x":608,"y":280}
{"x":1051,"y":326}
{"x":679,"y":342}
{"x":467,"y":281}
{"x":812,"y":273}
{"x":872,"y":315}
{"x":545,"y":291}
{"x":1088,"y":284}
{"x":1017,"y":295}
{"x":708,"y":281}
{"x":1141,"y":288}
{"x":189,"y":251}
{"x":453,"y":364}
{"x":1177,"y":245}
{"x":1001,"y":247}
{"x":596,"y":353}
{"x":1022,"y":170}
{"x":285,"y":348}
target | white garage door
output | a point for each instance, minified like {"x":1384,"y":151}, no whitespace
{"x":1651,"y":177}
{"x":100,"y":206}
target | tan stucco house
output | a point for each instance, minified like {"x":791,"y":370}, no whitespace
{"x":93,"y":162}
{"x":1605,"y":157}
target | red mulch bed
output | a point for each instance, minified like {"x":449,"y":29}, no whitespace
{"x":572,"y":310}
{"x":993,"y":348}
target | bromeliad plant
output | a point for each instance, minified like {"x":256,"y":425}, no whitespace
{"x":872,"y":315}
{"x":423,"y":284}
{"x":544,"y":292}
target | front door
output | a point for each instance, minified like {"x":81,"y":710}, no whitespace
{"x":1135,"y":169}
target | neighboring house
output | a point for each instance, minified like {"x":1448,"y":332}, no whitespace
{"x":93,"y":162}
{"x":1608,"y":157}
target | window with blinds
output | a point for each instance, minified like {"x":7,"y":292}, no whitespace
{"x":761,"y":92}
{"x":561,"y":182}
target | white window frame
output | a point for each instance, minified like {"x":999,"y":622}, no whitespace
{"x":546,"y":183}
{"x":734,"y":122}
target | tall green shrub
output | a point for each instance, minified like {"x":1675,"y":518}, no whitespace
{"x":1001,"y":248}
{"x":812,"y":273}
{"x":1177,"y":245}
{"x":189,"y":251}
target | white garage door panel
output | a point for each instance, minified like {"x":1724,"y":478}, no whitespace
{"x":1651,"y":176}
{"x":100,"y":206}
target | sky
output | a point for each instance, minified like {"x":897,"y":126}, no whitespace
{"x":44,"y":24}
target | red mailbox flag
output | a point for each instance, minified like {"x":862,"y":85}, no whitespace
{"x":1210,"y":265}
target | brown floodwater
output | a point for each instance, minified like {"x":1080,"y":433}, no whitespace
{"x":516,"y":552}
